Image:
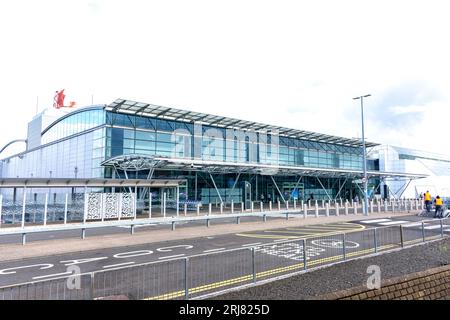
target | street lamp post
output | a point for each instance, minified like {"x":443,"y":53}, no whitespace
{"x":366,"y":200}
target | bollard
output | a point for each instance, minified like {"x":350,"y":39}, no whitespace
{"x":393,"y":206}
{"x":355,"y":208}
{"x":287,"y":205}
{"x":242,"y":207}
{"x":327,"y":210}
{"x":173,"y":225}
{"x":295,"y":205}
{"x":323,"y":204}
{"x":238,"y":220}
{"x":264,"y":218}
{"x":336,"y":205}
{"x":209,"y":208}
{"x":232,"y":206}
{"x":378,"y":207}
{"x":346,"y":208}
{"x":261,"y":206}
{"x":385,"y":206}
{"x":24,"y":238}
{"x":198,"y":209}
{"x":279,"y":205}
{"x":83,"y":233}
{"x":416,"y":205}
{"x":287,"y":215}
{"x":317,"y":210}
{"x":185,"y":209}
{"x":132,"y":229}
{"x":305,"y":212}
{"x":221,"y":207}
{"x":251,"y":206}
{"x":270,"y":205}
{"x":207,"y":223}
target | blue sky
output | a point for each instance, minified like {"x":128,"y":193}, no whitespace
{"x":290,"y":63}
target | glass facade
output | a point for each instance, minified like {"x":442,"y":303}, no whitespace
{"x":76,"y":145}
{"x":72,"y":124}
{"x":79,"y":156}
{"x":128,"y":134}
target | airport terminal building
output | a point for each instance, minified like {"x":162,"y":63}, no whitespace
{"x":214,"y":158}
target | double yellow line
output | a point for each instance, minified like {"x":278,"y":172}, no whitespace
{"x":259,"y":275}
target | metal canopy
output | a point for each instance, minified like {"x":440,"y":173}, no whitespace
{"x":127,"y":162}
{"x":90,"y":183}
{"x":150,"y":110}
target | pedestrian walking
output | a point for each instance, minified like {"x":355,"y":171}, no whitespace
{"x":438,"y":205}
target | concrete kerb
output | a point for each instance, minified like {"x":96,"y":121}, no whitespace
{"x":33,"y":249}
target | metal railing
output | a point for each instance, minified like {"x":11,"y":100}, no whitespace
{"x":206,"y":214}
{"x":203,"y":275}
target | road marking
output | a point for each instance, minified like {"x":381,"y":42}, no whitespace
{"x":392,"y":223}
{"x":294,"y":232}
{"x":279,"y":240}
{"x":42,"y":266}
{"x":168,"y":249}
{"x":265,"y":236}
{"x":118,"y":265}
{"x":52,"y":275}
{"x":410,"y":225}
{"x":375,"y":221}
{"x":251,"y":244}
{"x":168,"y":257}
{"x":215,"y":285}
{"x":432,"y":227}
{"x":212,"y":250}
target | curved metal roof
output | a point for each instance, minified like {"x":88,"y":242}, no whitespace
{"x":154,"y":111}
{"x":138,"y":162}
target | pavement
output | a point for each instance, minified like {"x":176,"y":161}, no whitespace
{"x":17,"y":251}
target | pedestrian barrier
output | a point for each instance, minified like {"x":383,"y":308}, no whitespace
{"x":203,"y":275}
{"x":69,"y":216}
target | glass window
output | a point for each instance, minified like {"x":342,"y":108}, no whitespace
{"x":163,"y":137}
{"x":145,"y":135}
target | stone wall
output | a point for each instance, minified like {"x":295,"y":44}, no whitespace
{"x":433,"y":284}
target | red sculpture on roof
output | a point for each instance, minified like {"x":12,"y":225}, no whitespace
{"x":58,"y":100}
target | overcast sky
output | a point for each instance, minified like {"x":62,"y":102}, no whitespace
{"x":290,"y":63}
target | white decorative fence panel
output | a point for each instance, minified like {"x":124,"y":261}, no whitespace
{"x":110,"y":206}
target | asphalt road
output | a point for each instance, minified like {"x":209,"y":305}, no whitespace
{"x":212,"y":266}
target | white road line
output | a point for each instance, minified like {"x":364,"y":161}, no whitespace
{"x":118,"y":265}
{"x":251,"y":244}
{"x":392,"y":223}
{"x":432,"y":227}
{"x":375,"y":221}
{"x":52,"y":275}
{"x":415,"y":224}
{"x":212,"y":250}
{"x":168,"y":257}
{"x":279,"y":240}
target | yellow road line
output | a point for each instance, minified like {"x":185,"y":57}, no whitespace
{"x":313,"y":231}
{"x":262,"y":274}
